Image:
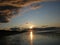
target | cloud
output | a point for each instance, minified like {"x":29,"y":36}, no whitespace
{"x":10,"y":8}
{"x":36,"y":6}
{"x":7,"y":12}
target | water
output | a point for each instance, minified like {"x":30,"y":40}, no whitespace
{"x":31,"y":38}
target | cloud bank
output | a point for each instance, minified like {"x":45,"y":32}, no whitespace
{"x":10,"y":8}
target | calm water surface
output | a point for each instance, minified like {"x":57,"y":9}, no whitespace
{"x":30,"y":38}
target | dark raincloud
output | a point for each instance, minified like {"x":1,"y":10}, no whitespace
{"x":7,"y":12}
{"x":10,"y":8}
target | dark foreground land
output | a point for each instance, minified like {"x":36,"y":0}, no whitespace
{"x":7,"y":33}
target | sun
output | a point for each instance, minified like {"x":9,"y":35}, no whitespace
{"x":31,"y":27}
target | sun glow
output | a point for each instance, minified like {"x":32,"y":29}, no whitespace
{"x":31,"y":27}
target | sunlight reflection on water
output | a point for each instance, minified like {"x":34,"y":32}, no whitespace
{"x":31,"y":37}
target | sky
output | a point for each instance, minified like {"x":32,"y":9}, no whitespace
{"x":39,"y":15}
